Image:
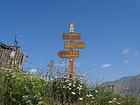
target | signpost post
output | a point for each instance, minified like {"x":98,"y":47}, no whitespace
{"x":71,"y":44}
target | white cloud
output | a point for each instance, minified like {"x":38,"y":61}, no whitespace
{"x":33,"y":70}
{"x":125,"y":61}
{"x":136,"y":53}
{"x":106,"y":66}
{"x":126,"y":51}
{"x":130,"y":52}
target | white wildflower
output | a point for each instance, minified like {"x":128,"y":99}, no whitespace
{"x":96,"y":91}
{"x":67,"y":80}
{"x":80,"y":99}
{"x":118,"y":103}
{"x":80,"y":78}
{"x":90,"y":95}
{"x":114,"y":99}
{"x":73,"y":85}
{"x":64,"y":77}
{"x":73,"y":93}
{"x":64,"y":86}
{"x":93,"y":98}
{"x":70,"y":84}
{"x":110,"y":102}
{"x":74,"y":82}
{"x":80,"y":86}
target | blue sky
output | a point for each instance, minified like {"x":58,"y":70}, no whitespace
{"x":110,"y":29}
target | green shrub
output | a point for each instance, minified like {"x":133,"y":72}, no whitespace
{"x":24,"y":88}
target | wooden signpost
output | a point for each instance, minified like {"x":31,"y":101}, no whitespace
{"x":68,"y":54}
{"x":71,"y":36}
{"x":71,"y":44}
{"x":74,"y":44}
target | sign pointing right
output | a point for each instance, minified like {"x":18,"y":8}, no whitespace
{"x":74,"y":44}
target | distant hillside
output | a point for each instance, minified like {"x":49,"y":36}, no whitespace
{"x":127,"y":85}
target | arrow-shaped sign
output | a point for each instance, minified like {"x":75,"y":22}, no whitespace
{"x":68,"y":54}
{"x":74,"y":44}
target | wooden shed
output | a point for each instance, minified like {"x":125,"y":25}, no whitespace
{"x":10,"y":56}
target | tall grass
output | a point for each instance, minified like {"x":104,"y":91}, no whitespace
{"x":25,"y":88}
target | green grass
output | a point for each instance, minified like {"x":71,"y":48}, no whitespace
{"x":20,"y":88}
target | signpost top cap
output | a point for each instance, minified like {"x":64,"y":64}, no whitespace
{"x":71,"y":26}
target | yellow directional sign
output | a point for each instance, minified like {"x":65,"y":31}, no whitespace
{"x":68,"y":54}
{"x":74,"y":44}
{"x":71,"y":36}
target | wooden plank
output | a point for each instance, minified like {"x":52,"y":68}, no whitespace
{"x":6,"y":57}
{"x":3,"y":58}
{"x":74,"y":44}
{"x":71,"y":36}
{"x":18,"y":59}
{"x":68,"y":54}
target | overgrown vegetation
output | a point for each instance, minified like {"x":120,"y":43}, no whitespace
{"x":25,"y":88}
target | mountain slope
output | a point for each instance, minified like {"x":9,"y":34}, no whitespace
{"x":130,"y":84}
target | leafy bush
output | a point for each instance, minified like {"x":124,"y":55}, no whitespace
{"x":24,"y":88}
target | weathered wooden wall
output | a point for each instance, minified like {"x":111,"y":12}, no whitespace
{"x":7,"y":60}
